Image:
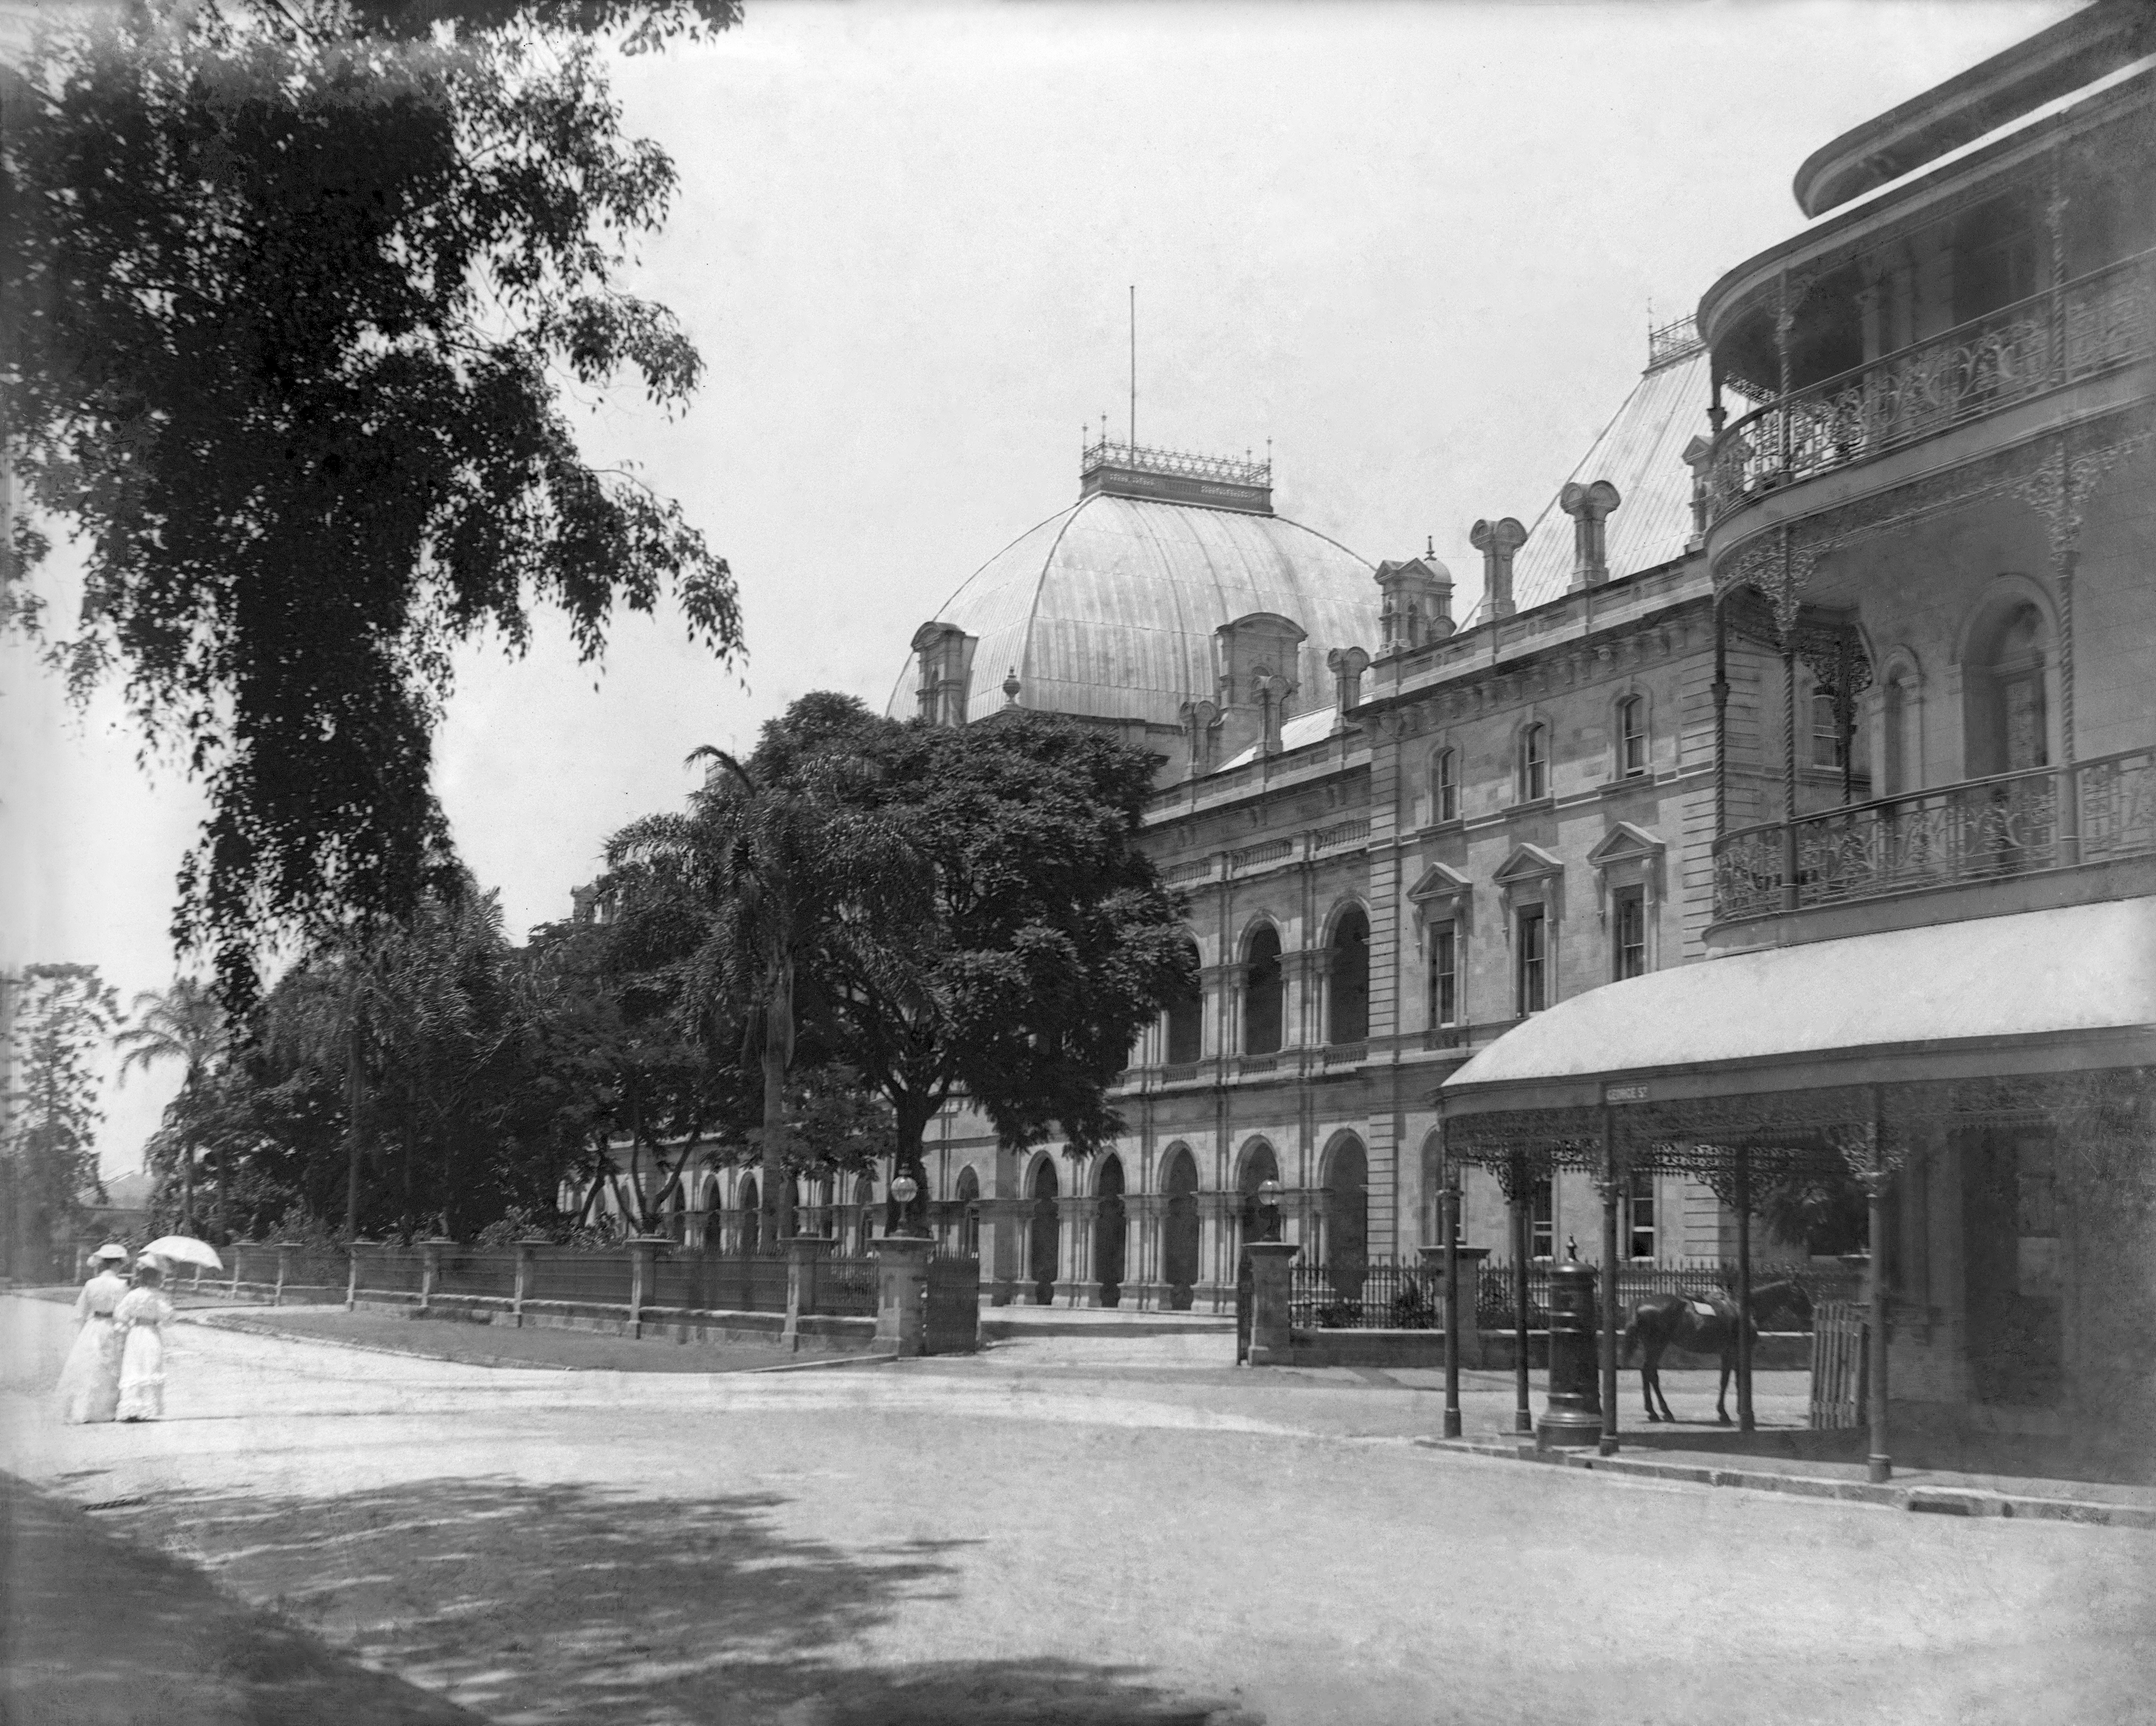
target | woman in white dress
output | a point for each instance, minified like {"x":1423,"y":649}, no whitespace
{"x":142,"y":1315}
{"x":89,"y":1382}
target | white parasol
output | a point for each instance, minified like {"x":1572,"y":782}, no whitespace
{"x":184,"y":1249}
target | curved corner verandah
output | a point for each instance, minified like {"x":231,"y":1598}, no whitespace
{"x":1887,"y":1054}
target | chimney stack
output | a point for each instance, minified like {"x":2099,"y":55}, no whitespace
{"x":1497,"y":542}
{"x":1347,"y":665}
{"x":1589,"y":506}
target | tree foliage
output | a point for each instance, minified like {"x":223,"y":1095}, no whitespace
{"x":784,"y":866}
{"x":1010,"y":942}
{"x":181,"y":1025}
{"x":291,"y":292}
{"x":59,"y":1021}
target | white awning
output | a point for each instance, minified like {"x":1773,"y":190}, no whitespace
{"x":1977,"y":990}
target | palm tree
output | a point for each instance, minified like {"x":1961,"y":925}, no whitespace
{"x":781,"y":863}
{"x":182,"y":1023}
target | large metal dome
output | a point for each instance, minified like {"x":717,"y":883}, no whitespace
{"x":1108,"y":609}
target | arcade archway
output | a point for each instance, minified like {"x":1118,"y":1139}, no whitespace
{"x":1178,"y":1244}
{"x":1108,"y":1232}
{"x":1043,"y":1233}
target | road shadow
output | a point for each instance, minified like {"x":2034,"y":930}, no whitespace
{"x":98,"y":1631}
{"x":565,"y":1602}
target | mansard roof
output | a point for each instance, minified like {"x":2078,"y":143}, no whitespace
{"x":1641,"y":453}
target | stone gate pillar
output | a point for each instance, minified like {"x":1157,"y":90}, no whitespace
{"x":902,"y":1293}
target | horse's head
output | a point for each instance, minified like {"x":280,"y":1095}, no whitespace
{"x":1777,"y":1297}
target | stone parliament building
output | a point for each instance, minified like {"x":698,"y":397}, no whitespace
{"x":1800,"y":746}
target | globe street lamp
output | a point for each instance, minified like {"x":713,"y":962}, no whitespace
{"x":904,"y":1190}
{"x":1268,"y":1211}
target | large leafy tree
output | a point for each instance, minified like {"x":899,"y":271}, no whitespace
{"x":788,"y":864}
{"x":58,"y":1019}
{"x":292,"y":289}
{"x":1051,"y":945}
{"x":1033,"y":940}
{"x":614,"y":1060}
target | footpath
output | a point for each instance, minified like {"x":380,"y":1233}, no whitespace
{"x":1754,"y":1467}
{"x":99,"y":1631}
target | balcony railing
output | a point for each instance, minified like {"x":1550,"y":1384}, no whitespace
{"x":2082,"y":329}
{"x":1979,"y":830}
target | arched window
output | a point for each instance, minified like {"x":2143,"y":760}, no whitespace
{"x":1259,"y":1165}
{"x":969,"y":1213}
{"x":1829,"y":752}
{"x":752,"y":1218}
{"x":864,"y":1206}
{"x":1534,"y":763}
{"x":1631,"y":736}
{"x":1444,"y":786}
{"x":1263,"y":987}
{"x":2008,"y":717}
{"x":1348,"y":1219}
{"x":1347,"y":1004}
{"x":1186,"y":1021}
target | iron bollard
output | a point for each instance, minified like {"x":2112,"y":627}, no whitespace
{"x":1573,"y":1414}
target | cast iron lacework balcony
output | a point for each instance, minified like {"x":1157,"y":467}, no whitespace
{"x":2080,"y":330}
{"x":1951,"y":835}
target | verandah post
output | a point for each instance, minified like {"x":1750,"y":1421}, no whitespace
{"x":1523,"y":1413}
{"x":1879,"y":1466}
{"x":1448,"y":1223}
{"x":1743,"y":1190}
{"x":1608,"y":1185}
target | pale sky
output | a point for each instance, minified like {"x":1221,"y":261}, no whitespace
{"x":1413,"y":245}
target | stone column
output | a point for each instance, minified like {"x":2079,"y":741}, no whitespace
{"x":430,"y":1269}
{"x":902,"y":1293}
{"x":1272,"y":1342}
{"x":643,"y":1261}
{"x":1216,"y":1277}
{"x":1077,"y":1285}
{"x":352,"y":1251}
{"x":283,"y":1264}
{"x":804,"y":1254}
{"x":1138,"y":1293}
{"x":1002,"y":1235}
{"x":527,"y":1252}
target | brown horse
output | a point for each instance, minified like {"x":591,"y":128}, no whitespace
{"x":1701,"y":1325}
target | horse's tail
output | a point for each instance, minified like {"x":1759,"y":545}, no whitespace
{"x":1631,"y":1337}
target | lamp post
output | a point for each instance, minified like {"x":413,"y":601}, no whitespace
{"x":904,"y":1190}
{"x":1268,"y":1211}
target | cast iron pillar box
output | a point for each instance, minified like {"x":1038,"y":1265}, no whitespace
{"x":1574,"y":1413}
